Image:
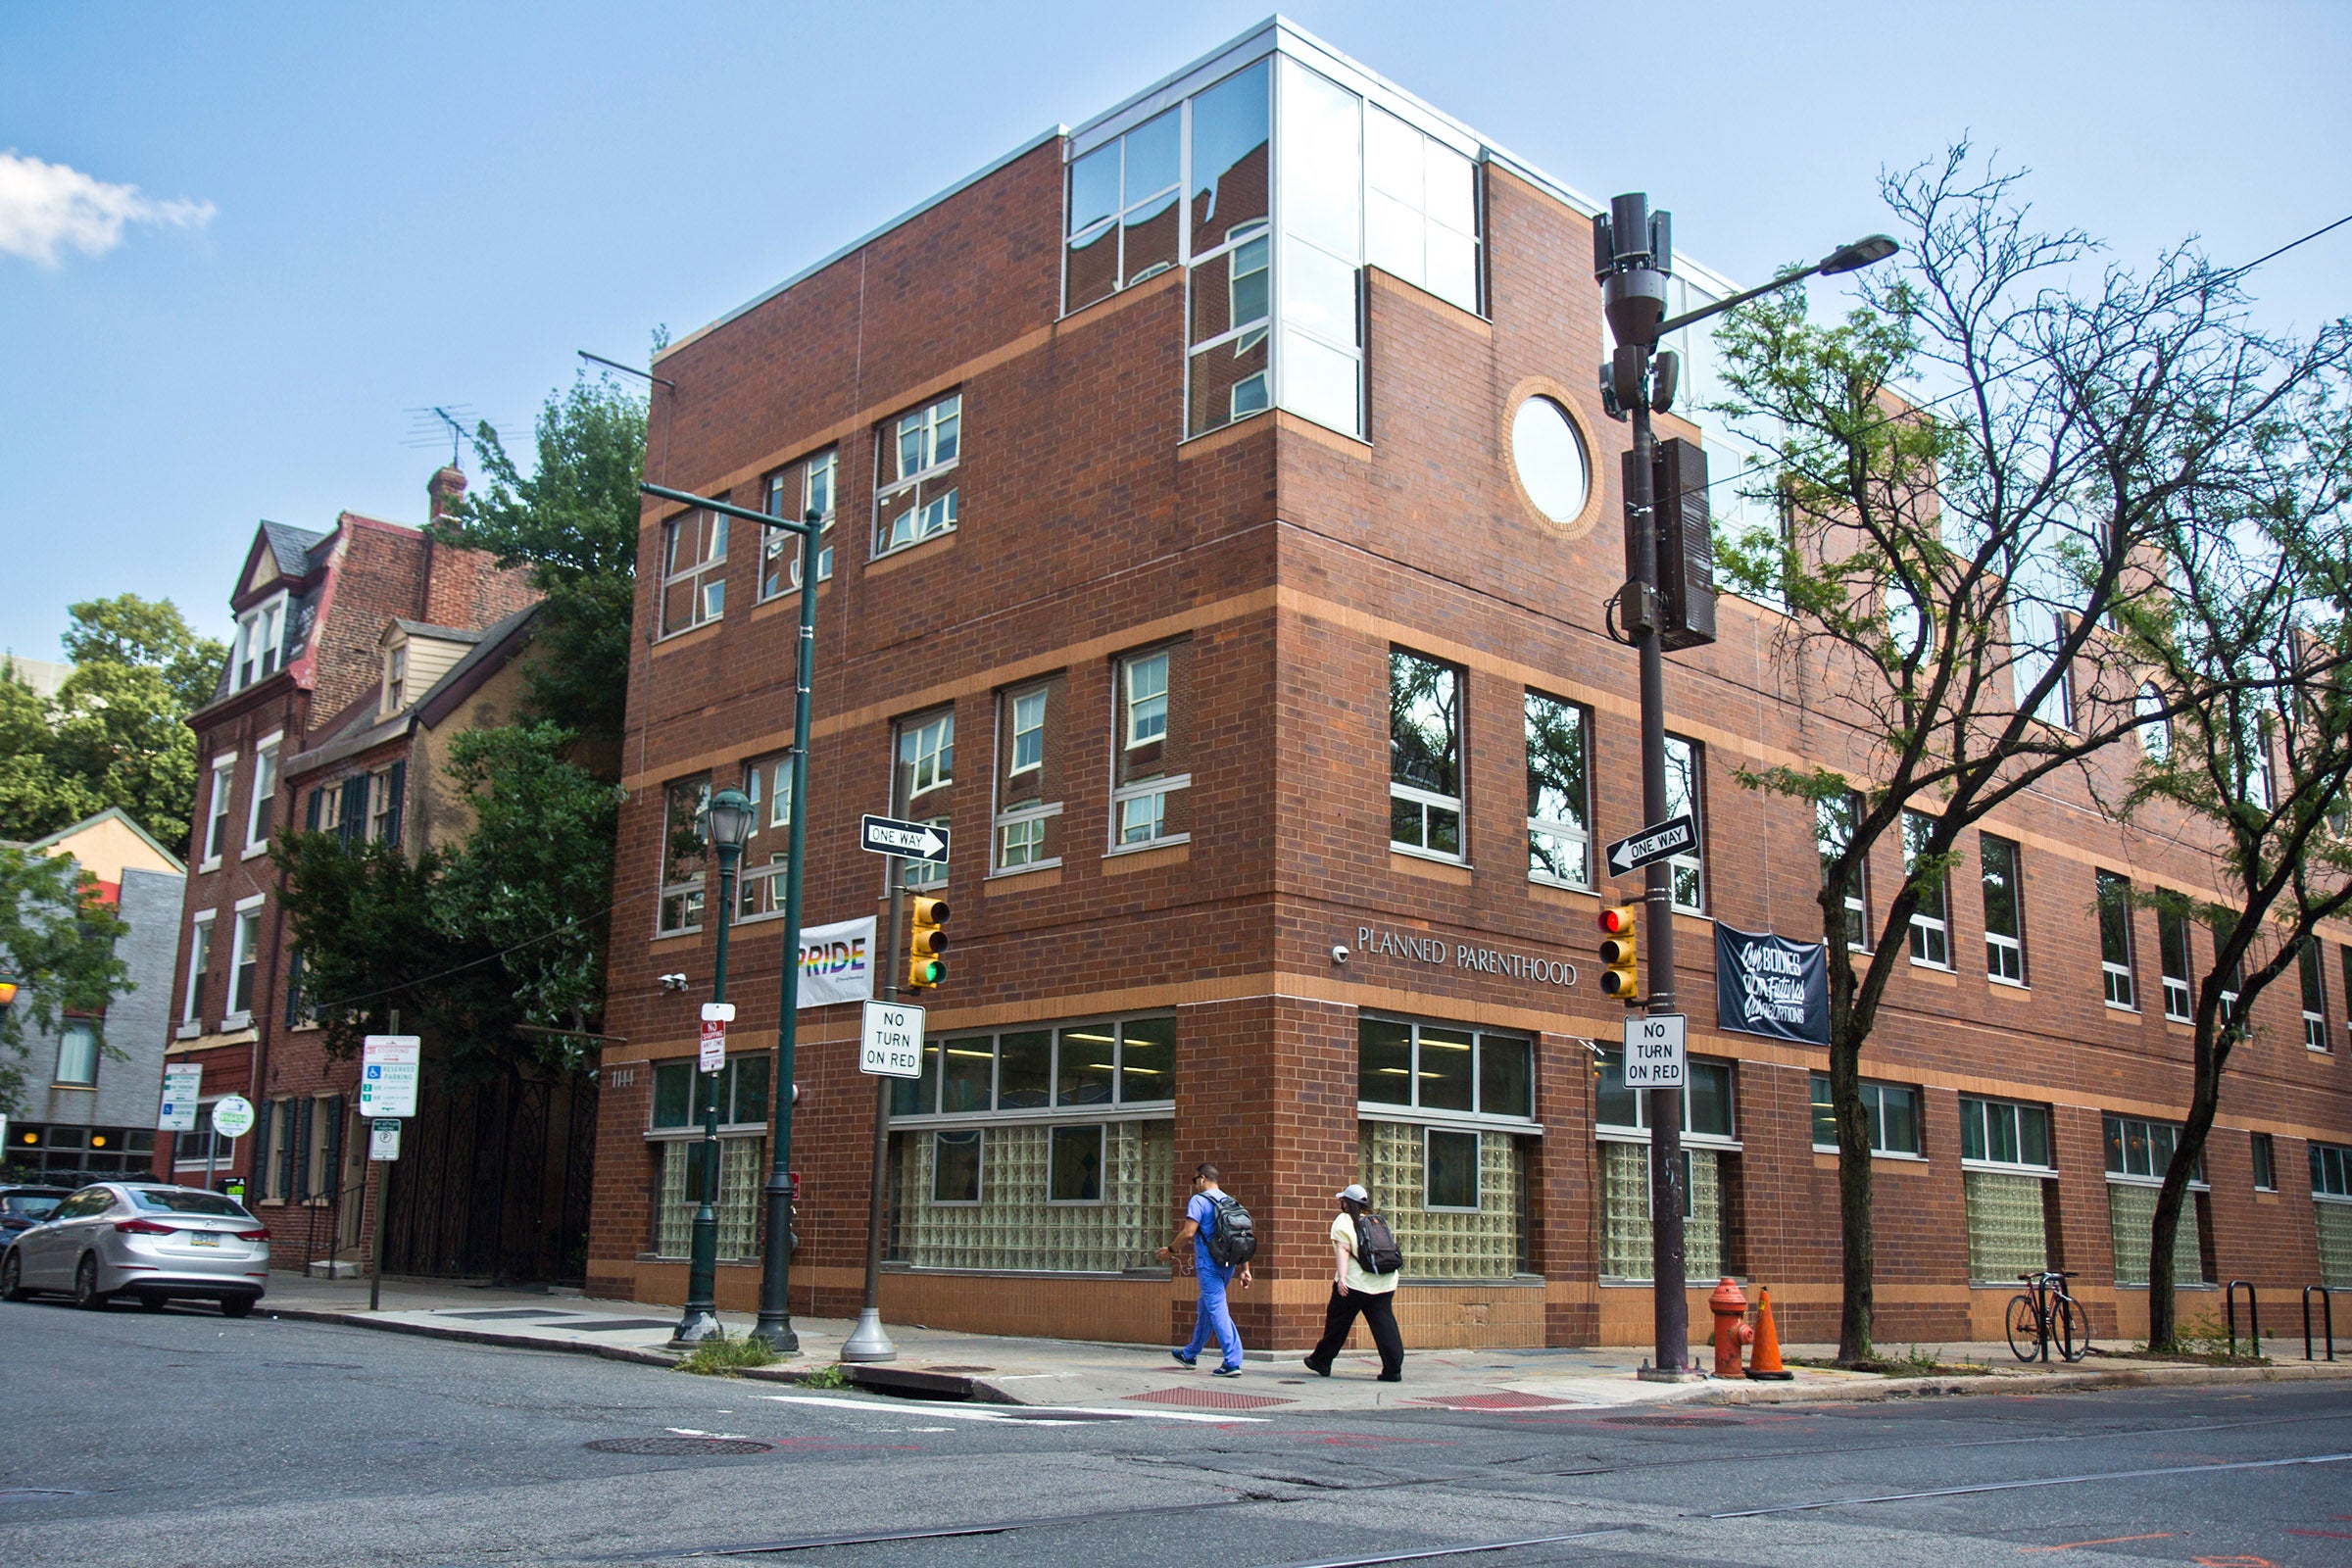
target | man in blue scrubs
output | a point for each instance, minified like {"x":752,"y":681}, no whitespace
{"x":1200,"y":1219}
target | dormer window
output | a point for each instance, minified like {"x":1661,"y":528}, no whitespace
{"x":260,"y":642}
{"x":396,"y":678}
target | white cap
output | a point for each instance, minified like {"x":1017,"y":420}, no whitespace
{"x":1355,"y":1193}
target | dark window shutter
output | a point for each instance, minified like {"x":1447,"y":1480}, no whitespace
{"x":330,"y":1172}
{"x":395,"y":786}
{"x":261,"y":1151}
{"x":285,"y":1149}
{"x":309,"y":814}
{"x":294,"y":987}
{"x":300,"y":1187}
{"x":353,"y":828}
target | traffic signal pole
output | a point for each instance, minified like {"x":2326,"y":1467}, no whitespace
{"x":868,"y":1340}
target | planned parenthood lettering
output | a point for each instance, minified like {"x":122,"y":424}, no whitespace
{"x":1767,"y":984}
{"x":1439,"y":953}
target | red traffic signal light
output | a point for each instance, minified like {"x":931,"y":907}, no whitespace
{"x":1620,"y":952}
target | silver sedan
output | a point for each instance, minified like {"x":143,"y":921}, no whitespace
{"x":147,"y":1241}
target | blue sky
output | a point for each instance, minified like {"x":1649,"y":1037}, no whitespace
{"x":351,"y":212}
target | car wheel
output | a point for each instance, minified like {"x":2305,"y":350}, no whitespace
{"x":86,"y":1284}
{"x":12,"y":1277}
{"x":237,"y":1307}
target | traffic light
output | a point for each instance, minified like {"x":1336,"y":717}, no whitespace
{"x":1620,"y":925}
{"x":925,"y":968}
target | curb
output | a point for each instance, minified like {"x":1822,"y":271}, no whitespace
{"x":1881,"y":1388}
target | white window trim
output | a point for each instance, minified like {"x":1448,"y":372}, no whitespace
{"x":1477,"y":1175}
{"x":1574,"y":835}
{"x":190,"y":1024}
{"x":1127,"y":668}
{"x":1611,"y":1133}
{"x":1999,"y":1168}
{"x":1427,"y":797}
{"x":887,"y":437}
{"x":272,"y":610}
{"x":1101,"y":1132}
{"x":784,"y":542}
{"x":1012,"y":704}
{"x":1461,"y":1121}
{"x":946,"y":723}
{"x":2008,"y":944}
{"x":224,"y":778}
{"x":2315,"y":1023}
{"x":236,"y":958}
{"x":1921,"y":1110}
{"x":266,"y":752}
{"x":1165,"y":784}
{"x":1012,"y":819}
{"x":667,"y":578}
{"x":2109,"y":971}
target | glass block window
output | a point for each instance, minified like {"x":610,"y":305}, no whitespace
{"x":1425,"y":756}
{"x":2004,"y":910}
{"x":2130,"y":1212}
{"x":2331,"y":1213}
{"x":2115,"y":937}
{"x":1436,"y":1068}
{"x":1484,"y":1238}
{"x":1558,"y":794}
{"x":1625,"y":1230}
{"x":742,"y":1173}
{"x":1003,"y":1214}
{"x":2006,"y":1230}
{"x":1892,"y":1110}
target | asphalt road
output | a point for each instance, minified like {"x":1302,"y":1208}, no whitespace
{"x":186,"y":1438}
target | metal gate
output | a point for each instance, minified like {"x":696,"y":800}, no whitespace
{"x":493,"y":1182}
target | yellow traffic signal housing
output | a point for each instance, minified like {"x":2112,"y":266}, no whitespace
{"x":1620,"y":952}
{"x":928,"y":940}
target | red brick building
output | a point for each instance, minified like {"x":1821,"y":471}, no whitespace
{"x":1227,"y":477}
{"x":350,"y":643}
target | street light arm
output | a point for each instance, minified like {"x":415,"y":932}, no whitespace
{"x":766,"y":519}
{"x":1844,"y":259}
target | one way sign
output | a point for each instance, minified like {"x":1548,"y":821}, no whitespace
{"x":916,"y":841}
{"x":1675,"y":836}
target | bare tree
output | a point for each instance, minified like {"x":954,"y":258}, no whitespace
{"x":1960,"y":571}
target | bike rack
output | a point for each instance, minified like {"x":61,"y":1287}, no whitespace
{"x":2253,"y":1313}
{"x":2326,"y":1320}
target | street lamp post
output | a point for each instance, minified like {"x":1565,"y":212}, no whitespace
{"x":775,"y":1327}
{"x":726,"y":823}
{"x":1633,"y":256}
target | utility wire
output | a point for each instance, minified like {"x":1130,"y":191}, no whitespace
{"x":471,"y":963}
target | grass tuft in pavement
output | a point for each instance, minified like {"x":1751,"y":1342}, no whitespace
{"x":724,"y":1357}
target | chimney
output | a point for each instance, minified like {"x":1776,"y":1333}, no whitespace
{"x":444,"y":491}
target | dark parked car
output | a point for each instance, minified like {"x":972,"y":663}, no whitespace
{"x":24,"y":1207}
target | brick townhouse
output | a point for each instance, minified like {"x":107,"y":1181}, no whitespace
{"x":351,"y":645}
{"x":1221,"y":513}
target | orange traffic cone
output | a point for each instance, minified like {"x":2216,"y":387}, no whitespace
{"x":1765,"y":1361}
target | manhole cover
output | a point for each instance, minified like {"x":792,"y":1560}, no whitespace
{"x":930,"y":1369}
{"x":678,"y":1446}
{"x":1669,"y":1421}
{"x":1207,"y":1399}
{"x":1506,"y":1400}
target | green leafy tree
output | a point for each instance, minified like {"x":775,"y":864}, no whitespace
{"x":1966,"y":578}
{"x":573,"y":523}
{"x":57,"y":941}
{"x":117,"y":733}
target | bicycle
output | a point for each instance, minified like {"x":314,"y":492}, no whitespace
{"x":2045,"y":1315}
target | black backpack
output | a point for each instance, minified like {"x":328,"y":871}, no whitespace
{"x":1376,"y":1248}
{"x":1233,"y":1237}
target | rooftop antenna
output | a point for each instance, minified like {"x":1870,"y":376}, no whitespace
{"x":430,"y":425}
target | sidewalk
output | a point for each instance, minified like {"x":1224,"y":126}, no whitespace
{"x":1067,"y":1372}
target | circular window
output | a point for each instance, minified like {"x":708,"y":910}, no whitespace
{"x":1551,"y":457}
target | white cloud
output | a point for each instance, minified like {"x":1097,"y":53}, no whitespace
{"x":46,"y":209}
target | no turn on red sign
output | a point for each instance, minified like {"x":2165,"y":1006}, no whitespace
{"x":1653,"y":1051}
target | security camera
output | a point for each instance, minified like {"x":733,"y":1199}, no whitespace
{"x":1339,"y":952}
{"x":673,"y":982}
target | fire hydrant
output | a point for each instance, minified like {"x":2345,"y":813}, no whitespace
{"x":1731,"y":1328}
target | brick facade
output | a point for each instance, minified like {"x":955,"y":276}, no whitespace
{"x":1292,"y":559}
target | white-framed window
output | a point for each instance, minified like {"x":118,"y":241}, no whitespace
{"x":2005,"y":1133}
{"x":1449,"y":1170}
{"x":2265,"y":1155}
{"x":2138,"y":1150}
{"x":2139,"y":1155}
{"x":918,"y":452}
{"x":1931,"y":919}
{"x":1622,"y":1135}
{"x":1028,"y":778}
{"x":2155,"y":725}
{"x":1028,"y":732}
{"x":1559,"y":794}
{"x":2004,"y":910}
{"x":1228,"y":251}
{"x":2035,"y":639}
{"x":2171,"y":941}
{"x":385,"y":786}
{"x":260,"y":638}
{"x":1891,"y":1109}
{"x":2315,"y":995}
{"x":2345,"y":955}
{"x":1020,"y":841}
{"x":261,"y":806}
{"x":396,"y":677}
{"x":803,"y":490}
{"x":2114,"y":939}
{"x":1835,"y":819}
{"x":2331,"y":1170}
{"x":920,"y":785}
{"x":1425,"y":757}
{"x":1125,"y":219}
{"x":244,"y":962}
{"x":759,"y":876}
{"x":200,"y":964}
{"x":1148,"y":778}
{"x":694,"y":570}
{"x":1683,"y":771}
{"x":77,"y":1054}
{"x":1442,"y":1071}
{"x":216,"y":830}
{"x":685,"y":857}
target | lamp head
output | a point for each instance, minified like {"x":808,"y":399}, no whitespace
{"x":8,"y":986}
{"x":1861,"y":253}
{"x":728,"y":821}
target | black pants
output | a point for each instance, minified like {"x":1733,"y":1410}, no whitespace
{"x":1379,"y":1308}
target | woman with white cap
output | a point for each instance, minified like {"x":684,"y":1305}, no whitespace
{"x":1365,"y":1263}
